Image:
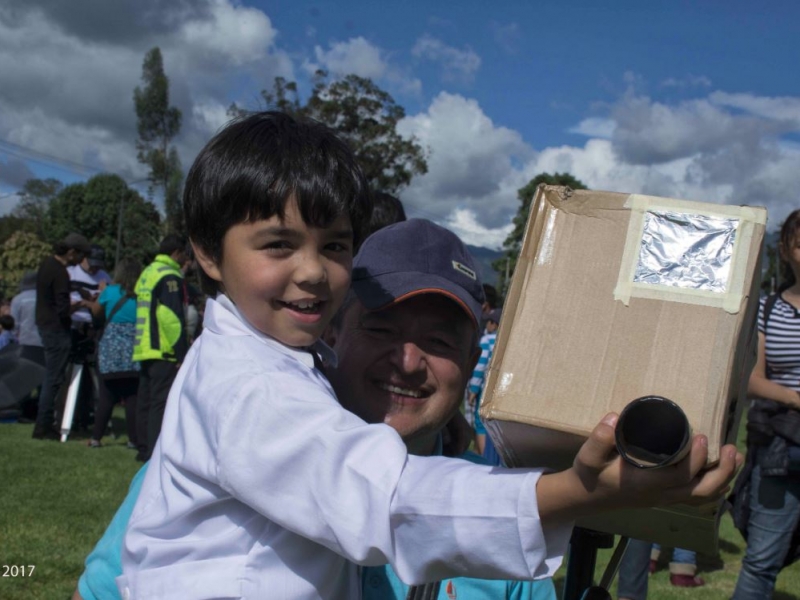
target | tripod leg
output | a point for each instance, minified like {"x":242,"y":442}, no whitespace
{"x":72,"y":399}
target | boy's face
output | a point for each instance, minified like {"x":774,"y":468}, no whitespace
{"x":491,"y":326}
{"x":287,"y":279}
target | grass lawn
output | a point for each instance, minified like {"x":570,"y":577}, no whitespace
{"x":57,"y":498}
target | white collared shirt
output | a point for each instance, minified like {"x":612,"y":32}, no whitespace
{"x":262,"y":486}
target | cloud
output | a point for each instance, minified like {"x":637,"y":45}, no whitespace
{"x":457,"y":65}
{"x":687,"y":82}
{"x":507,"y":36}
{"x":66,"y":87}
{"x":595,"y":127}
{"x":356,"y":56}
{"x":650,"y":132}
{"x":784,"y":108}
{"x":464,"y":223}
{"x":474,"y":166}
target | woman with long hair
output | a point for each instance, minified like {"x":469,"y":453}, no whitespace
{"x":119,"y":375}
{"x":769,"y":485}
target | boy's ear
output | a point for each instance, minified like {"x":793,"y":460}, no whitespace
{"x":208,"y":264}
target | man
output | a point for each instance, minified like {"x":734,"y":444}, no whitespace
{"x":53,"y":310}
{"x":406,"y":342}
{"x":161,"y":342}
{"x":86,"y":280}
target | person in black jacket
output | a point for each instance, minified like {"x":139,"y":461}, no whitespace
{"x":53,"y":310}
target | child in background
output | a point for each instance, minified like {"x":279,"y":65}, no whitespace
{"x":478,"y":380}
{"x":261,"y":485}
{"x":7,"y":325}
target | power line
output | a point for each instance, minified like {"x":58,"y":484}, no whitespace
{"x":43,"y":158}
{"x":26,"y":153}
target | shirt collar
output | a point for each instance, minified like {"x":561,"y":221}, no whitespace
{"x":224,"y":318}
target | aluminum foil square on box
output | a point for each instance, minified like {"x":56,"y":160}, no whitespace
{"x":687,"y":251}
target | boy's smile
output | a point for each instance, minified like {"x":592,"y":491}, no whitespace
{"x":288,"y":279}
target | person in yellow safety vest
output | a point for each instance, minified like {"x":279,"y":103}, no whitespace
{"x":161,"y":343}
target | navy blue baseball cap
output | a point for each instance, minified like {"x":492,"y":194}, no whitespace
{"x":416,"y":257}
{"x":494,"y":315}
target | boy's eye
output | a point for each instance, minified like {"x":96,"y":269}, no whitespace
{"x":337,"y":247}
{"x":279,"y":247}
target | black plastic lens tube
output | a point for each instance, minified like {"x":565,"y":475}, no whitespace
{"x":653,"y":432}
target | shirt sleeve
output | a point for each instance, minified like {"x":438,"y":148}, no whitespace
{"x":476,"y":381}
{"x":353,"y":488}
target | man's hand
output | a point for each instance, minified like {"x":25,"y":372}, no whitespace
{"x":600,"y":479}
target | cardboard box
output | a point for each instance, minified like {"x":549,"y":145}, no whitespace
{"x":590,"y":324}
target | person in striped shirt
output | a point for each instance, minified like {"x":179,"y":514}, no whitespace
{"x":478,"y":379}
{"x":770,"y":481}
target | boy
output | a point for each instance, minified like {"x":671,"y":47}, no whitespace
{"x":261,"y":485}
{"x":7,"y":325}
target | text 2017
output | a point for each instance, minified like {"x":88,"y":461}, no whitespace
{"x":17,"y":570}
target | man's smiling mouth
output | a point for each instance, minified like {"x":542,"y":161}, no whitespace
{"x":400,"y":391}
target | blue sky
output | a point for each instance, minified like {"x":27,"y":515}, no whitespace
{"x":694,"y":100}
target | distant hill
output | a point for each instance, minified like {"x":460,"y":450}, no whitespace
{"x":484,"y":258}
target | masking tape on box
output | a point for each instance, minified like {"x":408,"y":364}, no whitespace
{"x":731,"y":299}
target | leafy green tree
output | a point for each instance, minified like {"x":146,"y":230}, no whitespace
{"x":11,"y":224}
{"x":21,"y":252}
{"x":158,"y":123}
{"x":93,"y":209}
{"x":35,"y":197}
{"x":364,"y":115}
{"x":513,"y":243}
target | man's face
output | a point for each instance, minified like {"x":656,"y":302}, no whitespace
{"x":74,"y":257}
{"x":406,"y":366}
{"x":91,"y":269}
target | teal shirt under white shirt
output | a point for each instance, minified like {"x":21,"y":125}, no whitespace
{"x":381,"y":583}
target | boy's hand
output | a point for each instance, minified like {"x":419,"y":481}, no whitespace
{"x":600,"y":479}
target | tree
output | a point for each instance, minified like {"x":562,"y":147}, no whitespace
{"x":365,"y":116}
{"x":35,"y":197}
{"x":22,"y":252}
{"x":93,"y":209}
{"x":513,"y":243}
{"x":158,"y":123}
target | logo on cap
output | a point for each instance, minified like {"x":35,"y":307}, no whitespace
{"x":462,"y":268}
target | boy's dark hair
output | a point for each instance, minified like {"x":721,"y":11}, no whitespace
{"x":387,"y":210}
{"x":254,"y":165}
{"x":7,"y":322}
{"x":171,"y":243}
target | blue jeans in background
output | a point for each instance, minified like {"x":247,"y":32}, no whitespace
{"x":57,"y":347}
{"x":774,"y":515}
{"x":633,"y":571}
